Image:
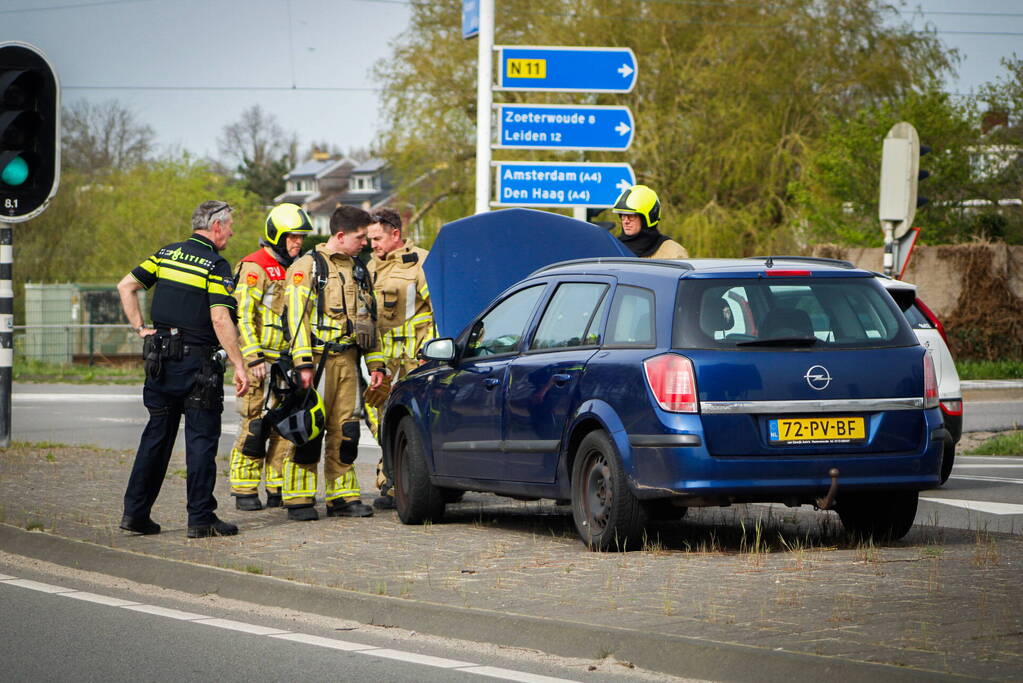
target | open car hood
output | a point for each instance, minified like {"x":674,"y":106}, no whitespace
{"x":476,"y":258}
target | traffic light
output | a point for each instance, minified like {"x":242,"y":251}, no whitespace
{"x":29,"y":132}
{"x":922,"y":175}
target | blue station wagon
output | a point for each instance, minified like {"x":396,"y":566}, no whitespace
{"x":636,"y":389}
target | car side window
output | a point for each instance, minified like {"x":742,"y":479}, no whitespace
{"x":572,"y":317}
{"x":501,"y":330}
{"x":631,"y":322}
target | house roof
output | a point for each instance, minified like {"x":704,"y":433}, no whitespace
{"x":370,"y":166}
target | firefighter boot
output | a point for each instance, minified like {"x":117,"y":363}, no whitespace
{"x":248,"y":502}
{"x":302,"y":513}
{"x":353,"y":508}
{"x":273,"y":499}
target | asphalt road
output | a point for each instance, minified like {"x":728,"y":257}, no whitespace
{"x":983,"y":493}
{"x":77,"y":626}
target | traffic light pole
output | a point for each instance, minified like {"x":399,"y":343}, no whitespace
{"x":6,"y":330}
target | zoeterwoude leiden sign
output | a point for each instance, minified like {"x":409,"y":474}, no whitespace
{"x":556,"y":126}
{"x":567,"y":69}
{"x":542,"y":184}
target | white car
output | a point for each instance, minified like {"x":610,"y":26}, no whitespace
{"x":931,"y":334}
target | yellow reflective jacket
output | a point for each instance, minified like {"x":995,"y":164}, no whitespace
{"x":404,"y":314}
{"x":260,"y":295}
{"x":310,"y":323}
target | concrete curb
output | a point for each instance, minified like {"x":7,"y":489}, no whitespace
{"x":691,"y":657}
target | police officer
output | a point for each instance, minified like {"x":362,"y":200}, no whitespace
{"x":330,"y":315}
{"x":640,"y":210}
{"x":193,"y":327}
{"x":404,"y":319}
{"x":260,"y":295}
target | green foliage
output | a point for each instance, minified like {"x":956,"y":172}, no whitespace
{"x":729,"y":100}
{"x":1009,"y":443}
{"x":97,"y":231}
{"x":839,"y":192}
{"x":989,"y":369}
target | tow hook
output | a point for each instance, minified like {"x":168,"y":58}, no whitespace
{"x":827,"y":501}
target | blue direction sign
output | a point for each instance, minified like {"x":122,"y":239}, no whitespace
{"x":537,"y":183}
{"x":470,"y":18}
{"x":559,"y":126}
{"x":567,"y":69}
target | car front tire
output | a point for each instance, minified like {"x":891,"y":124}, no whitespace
{"x":607,"y":515}
{"x":879,"y":516}
{"x":415,"y":498}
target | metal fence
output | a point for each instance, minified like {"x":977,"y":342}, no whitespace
{"x":83,"y":343}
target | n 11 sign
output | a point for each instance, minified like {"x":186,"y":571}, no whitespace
{"x":542,"y":184}
{"x":567,"y":69}
{"x":556,"y":126}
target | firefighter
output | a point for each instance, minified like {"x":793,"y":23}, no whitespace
{"x":404,"y":319}
{"x":260,"y":295}
{"x":330,"y":315}
{"x":640,"y":211}
{"x":193,"y":329}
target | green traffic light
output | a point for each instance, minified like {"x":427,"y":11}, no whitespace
{"x":15,"y":172}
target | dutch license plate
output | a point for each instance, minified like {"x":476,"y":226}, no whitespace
{"x":817,"y":430}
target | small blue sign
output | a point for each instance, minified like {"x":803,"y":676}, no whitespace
{"x":470,"y":18}
{"x":567,"y":69}
{"x":537,"y":183}
{"x":559,"y":126}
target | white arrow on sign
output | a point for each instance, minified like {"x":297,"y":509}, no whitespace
{"x":622,"y":128}
{"x":623,"y":185}
{"x":625,"y":70}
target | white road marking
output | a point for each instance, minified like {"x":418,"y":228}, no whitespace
{"x":320,"y":641}
{"x":241,"y":626}
{"x":36,"y":586}
{"x":416,"y":658}
{"x":980,"y":477}
{"x":987,"y":467}
{"x":98,"y":599}
{"x":980,"y":506}
{"x":254,"y":629}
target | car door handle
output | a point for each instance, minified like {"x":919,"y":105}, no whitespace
{"x":561,"y":379}
{"x":491,"y":382}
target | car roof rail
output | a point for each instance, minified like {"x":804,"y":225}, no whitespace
{"x":631,"y":260}
{"x":806,"y":259}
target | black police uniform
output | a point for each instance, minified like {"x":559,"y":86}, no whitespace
{"x":190,"y":278}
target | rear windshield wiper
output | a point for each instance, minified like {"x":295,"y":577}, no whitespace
{"x":780,"y":341}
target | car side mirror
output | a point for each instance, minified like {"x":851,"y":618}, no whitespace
{"x":442,"y":349}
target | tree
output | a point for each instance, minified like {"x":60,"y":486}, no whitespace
{"x":729,"y":96}
{"x":103,"y":136}
{"x":261,"y":151}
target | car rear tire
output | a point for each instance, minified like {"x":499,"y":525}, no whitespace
{"x":415,"y":498}
{"x":879,"y":516}
{"x":948,"y":457}
{"x":607,"y":515}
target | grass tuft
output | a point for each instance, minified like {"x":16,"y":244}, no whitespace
{"x":1007,"y":443}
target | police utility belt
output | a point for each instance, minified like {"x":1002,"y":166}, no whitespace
{"x":208,"y":388}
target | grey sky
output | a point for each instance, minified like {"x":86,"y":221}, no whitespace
{"x":188,"y":67}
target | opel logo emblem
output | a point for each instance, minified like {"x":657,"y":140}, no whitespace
{"x":818,"y":377}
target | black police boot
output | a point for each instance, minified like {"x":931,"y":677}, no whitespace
{"x":384,"y":502}
{"x":273,"y":500}
{"x":302,"y":513}
{"x":217,"y":527}
{"x":249,"y":502}
{"x":145,"y":526}
{"x":355,"y":508}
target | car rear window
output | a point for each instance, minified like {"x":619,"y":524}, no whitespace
{"x":787,"y":312}
{"x":631,"y":322}
{"x":917,"y":319}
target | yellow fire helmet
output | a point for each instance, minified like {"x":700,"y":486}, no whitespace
{"x":285,"y":218}
{"x":304,"y":419}
{"x":641,"y":200}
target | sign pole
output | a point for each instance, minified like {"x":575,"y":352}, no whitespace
{"x":6,"y":330}
{"x":484,"y":103}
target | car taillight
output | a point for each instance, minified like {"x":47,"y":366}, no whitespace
{"x":952,"y":407}
{"x":929,"y":314}
{"x":930,"y":383}
{"x":672,"y":381}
